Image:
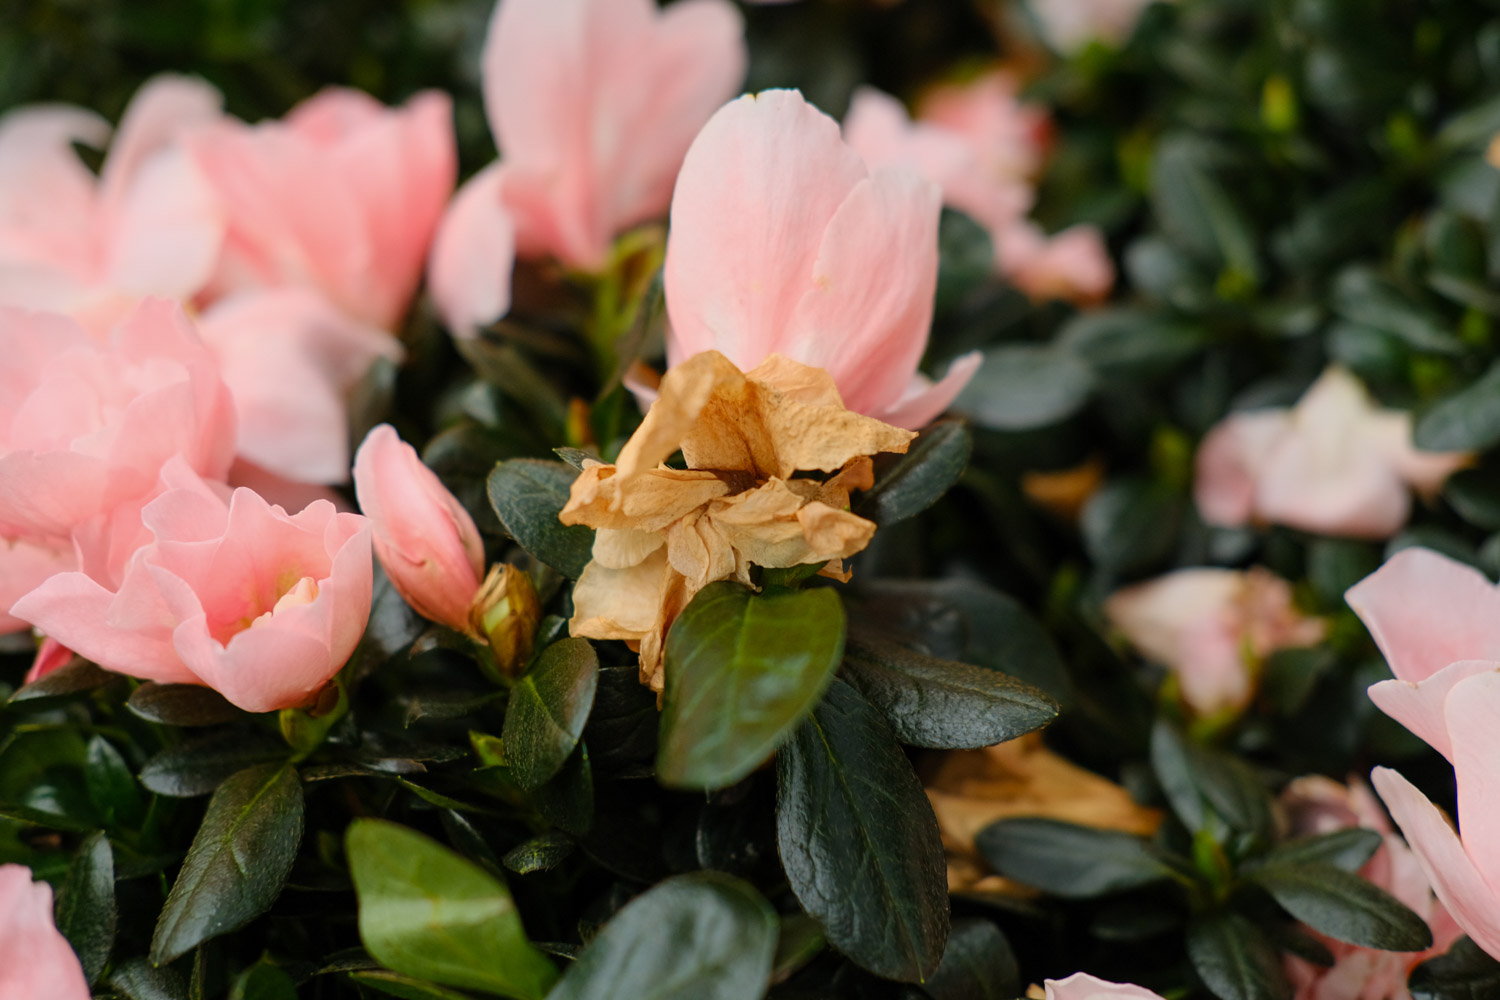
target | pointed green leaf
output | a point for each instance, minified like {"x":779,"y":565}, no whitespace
{"x":527,"y":494}
{"x":1072,"y":861}
{"x":1235,"y":960}
{"x":918,"y":479}
{"x":1344,"y":906}
{"x":547,"y":711}
{"x":86,"y":904}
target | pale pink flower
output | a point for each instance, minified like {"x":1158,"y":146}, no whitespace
{"x":1318,"y":805}
{"x":1213,"y":628}
{"x":36,"y":961}
{"x":1082,"y":986}
{"x":23,"y":567}
{"x":260,"y":605}
{"x":1070,"y":25}
{"x":89,"y":246}
{"x":1009,"y":136}
{"x":1072,"y":265}
{"x":341,"y":196}
{"x":784,"y":242}
{"x":85,"y":427}
{"x":1335,"y":464}
{"x":593,"y":104}
{"x":424,"y":538}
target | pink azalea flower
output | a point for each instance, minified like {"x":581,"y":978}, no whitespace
{"x":784,"y":242}
{"x":342,"y":196}
{"x":23,"y":566}
{"x":424,"y":538}
{"x":1072,"y":265}
{"x":1319,"y":805}
{"x":1009,"y":136}
{"x":85,"y":428}
{"x":90,"y":246}
{"x":1335,"y":464}
{"x":1082,"y":986}
{"x":35,"y":959}
{"x":1070,"y":25}
{"x":593,"y":104}
{"x":260,"y":605}
{"x":1212,"y":628}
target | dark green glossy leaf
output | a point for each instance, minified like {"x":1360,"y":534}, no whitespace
{"x":799,"y":941}
{"x":1467,"y":420}
{"x":567,"y":800}
{"x":76,"y":677}
{"x":1465,"y":972}
{"x":539,"y":854}
{"x":263,"y":981}
{"x":44,"y":818}
{"x":1475,"y":495}
{"x":1343,"y":906}
{"x":704,"y":936}
{"x":1131,"y":524}
{"x":426,"y":912}
{"x":1235,"y":960}
{"x":237,"y":863}
{"x":859,"y":842}
{"x":939,"y":703}
{"x":1022,"y":386}
{"x":743,"y":669}
{"x":977,"y":965}
{"x":181,"y":705}
{"x":198,"y":766}
{"x":1131,"y":344}
{"x":86,"y":904}
{"x":1364,"y":297}
{"x":547,"y":711}
{"x":137,"y":979}
{"x":1072,"y":861}
{"x":1196,"y":209}
{"x":966,"y":258}
{"x":917,"y":480}
{"x":111,"y":786}
{"x":1194,"y":777}
{"x":1347,"y":849}
{"x":527,"y":495}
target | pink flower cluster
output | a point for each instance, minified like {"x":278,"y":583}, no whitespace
{"x":1438,"y":623}
{"x":984,"y":147}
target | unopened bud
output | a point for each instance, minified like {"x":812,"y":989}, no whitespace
{"x":506,"y":612}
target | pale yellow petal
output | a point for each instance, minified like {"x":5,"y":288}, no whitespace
{"x":698,"y":550}
{"x":621,"y":548}
{"x":686,"y":390}
{"x":821,"y":437}
{"x":619,"y":603}
{"x":834,"y":534}
{"x":795,"y":380}
{"x":602,"y":498}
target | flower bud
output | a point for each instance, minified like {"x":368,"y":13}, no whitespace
{"x":506,"y":613}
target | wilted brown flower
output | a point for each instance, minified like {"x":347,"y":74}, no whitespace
{"x":664,"y":533}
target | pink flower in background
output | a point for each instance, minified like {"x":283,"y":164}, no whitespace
{"x":341,"y":196}
{"x":1335,"y":464}
{"x":1082,"y":986}
{"x":88,"y":246}
{"x":260,"y":605}
{"x":784,"y":242}
{"x":1212,"y":628}
{"x":36,"y":961}
{"x":1070,"y":25}
{"x":85,"y":428}
{"x":982,"y":147}
{"x":1319,"y":805}
{"x":424,"y":538}
{"x":593,"y":104}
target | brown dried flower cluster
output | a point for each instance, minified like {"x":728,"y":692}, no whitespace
{"x":664,"y":533}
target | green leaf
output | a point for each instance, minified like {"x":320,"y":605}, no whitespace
{"x":263,"y":981}
{"x":111,"y":785}
{"x":1235,"y":960}
{"x":527,"y":494}
{"x":1194,"y":207}
{"x":977,"y":965}
{"x":237,"y":863}
{"x":1024,"y":386}
{"x":1464,"y":973}
{"x":43,"y":818}
{"x":1347,"y":849}
{"x":1075,"y":862}
{"x":1467,"y":420}
{"x":567,"y":801}
{"x":939,"y":703}
{"x":1130,"y":344}
{"x":181,"y":705}
{"x":798,"y":942}
{"x":541,"y":853}
{"x":86,"y":904}
{"x":1475,"y":495}
{"x":859,"y":842}
{"x":704,"y":936}
{"x":1343,"y":906}
{"x":137,"y":979}
{"x":1194,"y":776}
{"x":918,"y":479}
{"x":966,"y":258}
{"x":547,"y":711}
{"x":426,"y":912}
{"x":198,"y":766}
{"x":393,"y":984}
{"x":1365,"y":298}
{"x":743,"y":669}
{"x":1131,"y":524}
{"x":76,"y":677}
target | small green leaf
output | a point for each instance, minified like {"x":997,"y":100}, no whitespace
{"x":1075,"y":862}
{"x":1025,"y":386}
{"x":1131,"y":524}
{"x":263,"y":981}
{"x":86,"y":904}
{"x":567,"y":800}
{"x":859,"y":842}
{"x":1467,"y":420}
{"x":527,"y":495}
{"x":197,"y":766}
{"x":137,"y":979}
{"x":939,"y":703}
{"x":918,"y":479}
{"x":1235,"y":960}
{"x":704,"y":936}
{"x":966,"y":258}
{"x":539,"y":854}
{"x":426,"y":912}
{"x":1131,"y":344}
{"x":547,"y":711}
{"x":743,"y":669}
{"x":1347,"y":849}
{"x":1363,"y":297}
{"x":1464,"y":973}
{"x":237,"y":863}
{"x":1194,"y":206}
{"x":76,"y":677}
{"x":1343,"y":906}
{"x":799,"y":941}
{"x":977,"y":965}
{"x":181,"y":705}
{"x":1194,"y":776}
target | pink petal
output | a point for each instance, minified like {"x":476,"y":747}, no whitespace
{"x":1472,"y":708}
{"x":1453,"y":875}
{"x":36,"y":961}
{"x":24,"y":566}
{"x":1230,"y":462}
{"x":924,"y":401}
{"x":473,"y":256}
{"x":166,"y":234}
{"x":161,"y":112}
{"x":1420,"y":706}
{"x":1426,"y":611}
{"x":1082,"y":986}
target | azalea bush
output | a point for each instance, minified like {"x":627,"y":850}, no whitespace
{"x":590,"y":499}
